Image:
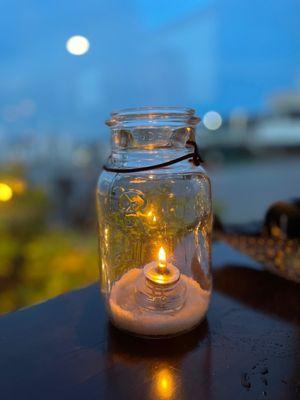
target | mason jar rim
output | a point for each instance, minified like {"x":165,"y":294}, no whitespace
{"x":185,"y":114}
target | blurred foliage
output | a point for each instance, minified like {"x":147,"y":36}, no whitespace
{"x":38,"y":260}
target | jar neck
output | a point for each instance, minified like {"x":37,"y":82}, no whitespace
{"x":145,"y":158}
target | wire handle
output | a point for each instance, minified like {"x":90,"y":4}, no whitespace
{"x":194,"y":157}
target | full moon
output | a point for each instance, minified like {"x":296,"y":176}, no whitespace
{"x":77,"y":45}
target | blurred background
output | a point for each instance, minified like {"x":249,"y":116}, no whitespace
{"x":65,"y":66}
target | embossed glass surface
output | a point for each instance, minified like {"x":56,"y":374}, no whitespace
{"x":141,"y":211}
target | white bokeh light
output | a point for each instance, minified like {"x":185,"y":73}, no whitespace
{"x":77,"y":45}
{"x":212,"y":120}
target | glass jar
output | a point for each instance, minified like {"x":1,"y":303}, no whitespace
{"x":155,"y":219}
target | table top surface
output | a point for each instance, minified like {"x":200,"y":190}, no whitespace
{"x":247,"y":348}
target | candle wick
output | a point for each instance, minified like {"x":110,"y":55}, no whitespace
{"x":162,"y":268}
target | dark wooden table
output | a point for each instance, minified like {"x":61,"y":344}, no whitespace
{"x":248,"y":348}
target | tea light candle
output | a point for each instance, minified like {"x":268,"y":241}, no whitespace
{"x":161,"y":273}
{"x":157,"y":300}
{"x":161,"y":288}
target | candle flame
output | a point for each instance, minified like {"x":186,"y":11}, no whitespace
{"x":162,"y":255}
{"x":162,"y":260}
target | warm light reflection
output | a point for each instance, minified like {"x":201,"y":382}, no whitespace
{"x":164,"y":384}
{"x":151,"y":216}
{"x":6,"y":192}
{"x":106,"y":237}
{"x":149,"y":147}
{"x":162,"y":260}
{"x":77,"y":45}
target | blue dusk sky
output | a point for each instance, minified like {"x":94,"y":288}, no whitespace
{"x":211,"y":55}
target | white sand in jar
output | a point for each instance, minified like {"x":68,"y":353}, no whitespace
{"x":126,"y":313}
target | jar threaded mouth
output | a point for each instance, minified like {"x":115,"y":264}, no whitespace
{"x":154,"y":114}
